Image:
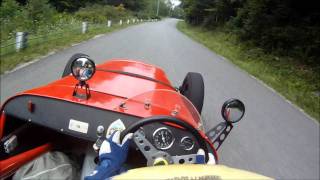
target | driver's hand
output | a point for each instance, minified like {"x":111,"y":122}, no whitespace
{"x":112,"y":155}
{"x":201,"y":158}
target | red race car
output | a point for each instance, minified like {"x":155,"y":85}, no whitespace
{"x":90,"y":101}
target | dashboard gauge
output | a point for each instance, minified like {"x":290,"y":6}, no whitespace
{"x":163,"y":138}
{"x":187,"y":143}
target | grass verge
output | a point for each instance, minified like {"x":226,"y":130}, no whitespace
{"x":294,"y":81}
{"x":38,"y":47}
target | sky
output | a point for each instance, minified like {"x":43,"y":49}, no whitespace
{"x":175,"y":2}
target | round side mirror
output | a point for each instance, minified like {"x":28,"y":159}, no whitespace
{"x":232,"y":110}
{"x":83,"y":68}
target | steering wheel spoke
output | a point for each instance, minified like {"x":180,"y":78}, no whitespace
{"x":158,"y":157}
{"x":184,"y":159}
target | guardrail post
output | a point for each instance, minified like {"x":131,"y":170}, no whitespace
{"x":128,"y":21}
{"x":21,"y":40}
{"x":109,"y":23}
{"x":84,"y":27}
{"x":120,"y":22}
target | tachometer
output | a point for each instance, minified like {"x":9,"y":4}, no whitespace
{"x":163,"y":138}
{"x":187,"y":143}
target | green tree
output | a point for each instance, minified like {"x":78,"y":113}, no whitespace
{"x":210,"y":12}
{"x":177,"y":12}
{"x":74,"y":5}
{"x":196,"y":11}
{"x":135,"y":5}
{"x":284,"y":27}
{"x":8,"y":9}
{"x":39,"y":10}
{"x":12,"y":18}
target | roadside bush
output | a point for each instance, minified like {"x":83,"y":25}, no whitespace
{"x":39,"y":12}
{"x":283,"y":28}
{"x":155,"y":17}
{"x":37,"y":16}
{"x":280,"y":27}
{"x":100,"y":14}
{"x":142,"y":15}
{"x":12,"y":18}
{"x":9,"y":8}
{"x":34,"y":16}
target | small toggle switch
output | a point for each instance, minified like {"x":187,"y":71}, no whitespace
{"x":101,"y":138}
{"x":100,"y":131}
{"x":31,"y":106}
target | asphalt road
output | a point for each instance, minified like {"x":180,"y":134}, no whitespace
{"x":274,"y":138}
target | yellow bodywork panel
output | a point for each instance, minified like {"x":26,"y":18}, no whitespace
{"x":189,"y":172}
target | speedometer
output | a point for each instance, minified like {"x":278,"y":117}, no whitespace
{"x":163,"y":138}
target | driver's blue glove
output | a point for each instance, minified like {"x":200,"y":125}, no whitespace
{"x":201,"y":158}
{"x":112,"y":155}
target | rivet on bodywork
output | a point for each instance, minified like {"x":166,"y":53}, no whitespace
{"x":123,"y":105}
{"x":147,"y":104}
{"x":176,"y":110}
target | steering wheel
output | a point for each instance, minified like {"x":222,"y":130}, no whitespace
{"x":158,"y":157}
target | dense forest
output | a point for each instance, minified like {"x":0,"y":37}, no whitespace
{"x":284,"y":27}
{"x":47,"y":15}
{"x":277,"y":41}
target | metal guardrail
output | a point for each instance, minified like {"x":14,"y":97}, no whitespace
{"x":25,"y":40}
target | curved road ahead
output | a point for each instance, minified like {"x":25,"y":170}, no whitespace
{"x":274,"y":138}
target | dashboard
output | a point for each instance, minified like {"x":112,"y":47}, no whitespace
{"x":173,"y":140}
{"x":66,"y":117}
{"x":69,"y":118}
